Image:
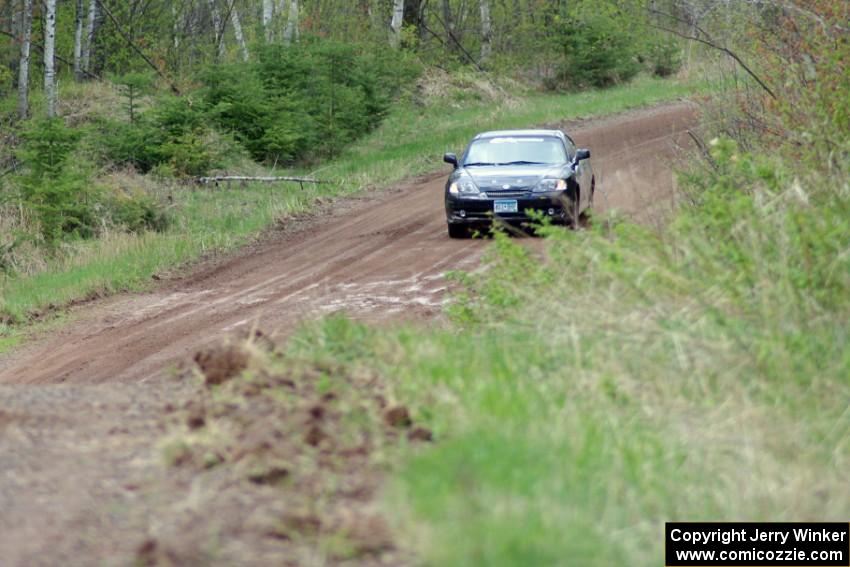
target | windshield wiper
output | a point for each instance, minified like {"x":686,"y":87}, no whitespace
{"x":481,"y":163}
{"x":524,"y":162}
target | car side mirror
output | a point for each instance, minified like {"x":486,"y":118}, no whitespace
{"x":582,"y":155}
{"x":450,"y":158}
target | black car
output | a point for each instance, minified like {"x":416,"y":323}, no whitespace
{"x":507,"y":174}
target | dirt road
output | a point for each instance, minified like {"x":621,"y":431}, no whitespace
{"x":85,"y":411}
{"x":382,"y":256}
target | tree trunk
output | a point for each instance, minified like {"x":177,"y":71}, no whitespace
{"x":290,"y":34}
{"x":91,"y":28}
{"x":24,"y":66}
{"x":395,"y":23}
{"x":14,"y":17}
{"x":78,"y":42}
{"x":279,"y":11}
{"x":218,"y":29}
{"x":413,"y":16}
{"x":49,"y":52}
{"x":237,"y":31}
{"x":422,"y":24}
{"x":486,"y":31}
{"x":448,"y":25}
{"x":447,"y":14}
{"x":268,"y":16}
{"x":175,"y":27}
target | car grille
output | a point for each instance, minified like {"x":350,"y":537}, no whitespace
{"x":507,"y":194}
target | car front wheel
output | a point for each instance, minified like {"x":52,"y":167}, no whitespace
{"x":457,"y":231}
{"x":575,"y":210}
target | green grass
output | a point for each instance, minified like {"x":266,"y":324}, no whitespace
{"x":411,"y":141}
{"x":8,"y":338}
{"x":635,"y":377}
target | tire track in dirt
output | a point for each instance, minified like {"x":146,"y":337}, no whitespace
{"x":379,"y":257}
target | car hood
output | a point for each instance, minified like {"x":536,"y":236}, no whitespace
{"x":514,"y":177}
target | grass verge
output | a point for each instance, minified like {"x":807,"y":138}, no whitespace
{"x":409,"y":142}
{"x":634,"y":377}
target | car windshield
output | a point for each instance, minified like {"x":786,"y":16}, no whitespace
{"x":515,"y":150}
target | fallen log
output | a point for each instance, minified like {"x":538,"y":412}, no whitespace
{"x":260,"y":179}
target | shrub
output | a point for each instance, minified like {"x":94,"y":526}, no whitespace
{"x":5,"y":80}
{"x":598,"y":51}
{"x":664,"y":58}
{"x":57,"y":192}
{"x":188,"y":154}
{"x":305,"y":100}
{"x":138,"y":212}
{"x":123,"y":143}
{"x":60,"y":197}
{"x":272,"y":126}
{"x":133,"y":86}
{"x":292,"y":103}
{"x":15,"y":241}
{"x":173,"y":133}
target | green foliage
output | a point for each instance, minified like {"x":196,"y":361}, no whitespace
{"x":133,"y":85}
{"x":5,"y":80}
{"x":47,"y":146}
{"x":57,"y":189}
{"x":294,"y":103}
{"x":174,"y":133}
{"x":663,"y":57}
{"x":138,"y":212}
{"x":188,"y":154}
{"x":272,"y":128}
{"x":598,"y":51}
{"x":306,"y":100}
{"x":792,"y":235}
{"x":58,"y":193}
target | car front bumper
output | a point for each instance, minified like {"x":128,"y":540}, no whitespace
{"x":479,"y":211}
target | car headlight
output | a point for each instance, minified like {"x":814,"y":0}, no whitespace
{"x":463,"y":186}
{"x":547,"y":185}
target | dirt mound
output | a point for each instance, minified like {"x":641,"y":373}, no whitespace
{"x":221,"y":363}
{"x":306,"y":436}
{"x":438,"y":85}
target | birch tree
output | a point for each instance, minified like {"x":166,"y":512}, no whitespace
{"x":78,"y":41}
{"x":396,"y":22}
{"x":280,"y":12}
{"x":237,"y":31}
{"x":268,"y":16}
{"x":88,"y":46}
{"x":291,"y":31}
{"x":486,"y":31}
{"x":49,"y":52}
{"x":218,"y":29}
{"x":447,"y":16}
{"x":10,"y":14}
{"x":176,"y":24}
{"x":24,"y":66}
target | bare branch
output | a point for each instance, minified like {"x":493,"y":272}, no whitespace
{"x":451,"y":36}
{"x":704,"y":38}
{"x":136,"y":48}
{"x":40,"y":47}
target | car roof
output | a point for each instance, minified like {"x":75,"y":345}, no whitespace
{"x":509,"y":133}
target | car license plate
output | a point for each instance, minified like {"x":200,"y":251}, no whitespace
{"x":505,"y":206}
